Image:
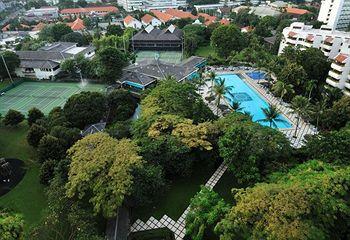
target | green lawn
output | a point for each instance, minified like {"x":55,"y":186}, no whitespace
{"x":28,"y":196}
{"x":205,"y":51}
{"x":174,"y":202}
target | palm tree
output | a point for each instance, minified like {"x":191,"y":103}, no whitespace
{"x":219,"y":90}
{"x":272,"y":115}
{"x":319,"y":109}
{"x":282,"y":89}
{"x":301,"y":107}
{"x":310,"y":86}
{"x":212,"y":77}
{"x":236,"y":106}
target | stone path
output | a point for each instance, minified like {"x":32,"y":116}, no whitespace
{"x":178,"y":227}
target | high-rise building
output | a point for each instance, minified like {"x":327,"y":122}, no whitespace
{"x":333,"y":43}
{"x":335,"y":13}
{"x":131,"y":5}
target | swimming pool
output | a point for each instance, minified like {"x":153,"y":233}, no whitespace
{"x":250,"y":101}
{"x":256,"y":75}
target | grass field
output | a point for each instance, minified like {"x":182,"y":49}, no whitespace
{"x":28,"y":196}
{"x":205,"y":51}
{"x":174,"y":202}
{"x":165,"y":56}
{"x":42,"y":95}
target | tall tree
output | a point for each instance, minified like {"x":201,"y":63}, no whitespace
{"x":282,"y":89}
{"x":101,"y":169}
{"x":272,"y":115}
{"x":301,"y":108}
{"x":219,"y":90}
{"x":12,"y":62}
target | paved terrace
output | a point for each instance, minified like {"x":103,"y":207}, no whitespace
{"x":179,"y":227}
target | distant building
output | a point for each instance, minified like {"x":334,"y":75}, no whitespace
{"x":132,"y":22}
{"x":145,"y":74}
{"x":334,"y":44}
{"x":296,"y":12}
{"x":45,"y":62}
{"x":150,"y":20}
{"x":335,"y":13}
{"x":278,"y":5}
{"x":150,"y":38}
{"x":93,"y":128}
{"x":132,"y":5}
{"x":89,"y":11}
{"x":162,"y":16}
{"x":43,"y":13}
{"x":77,"y":25}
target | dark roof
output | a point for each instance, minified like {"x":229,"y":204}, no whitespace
{"x":38,"y":64}
{"x":192,"y":62}
{"x":41,"y":59}
{"x":94,"y":128}
{"x":58,"y":46}
{"x":159,"y":35}
{"x":138,"y":78}
{"x":270,"y":40}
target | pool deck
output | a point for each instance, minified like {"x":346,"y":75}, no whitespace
{"x":304,"y":128}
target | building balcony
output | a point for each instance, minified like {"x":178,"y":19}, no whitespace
{"x":291,"y":41}
{"x":346,"y":92}
{"x":327,"y":47}
{"x":333,"y":82}
{"x":337,"y":67}
{"x":306,"y":44}
{"x":334,"y":74}
{"x":347,"y":85}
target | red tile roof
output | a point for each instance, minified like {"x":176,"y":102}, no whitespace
{"x":147,"y":18}
{"x":77,"y":25}
{"x":224,"y":21}
{"x":292,"y":34}
{"x":106,"y":9}
{"x":128,"y":19}
{"x":296,"y":11}
{"x":341,"y":58}
{"x":310,"y":38}
{"x":7,"y":27}
{"x":247,"y":29}
{"x":39,"y":26}
{"x":328,"y":40}
{"x":207,"y":17}
{"x":180,"y":14}
{"x":164,"y":17}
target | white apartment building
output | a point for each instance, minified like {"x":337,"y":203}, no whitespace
{"x":335,"y":13}
{"x":43,"y":12}
{"x":333,"y":43}
{"x":131,"y":5}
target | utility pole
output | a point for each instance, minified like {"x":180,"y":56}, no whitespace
{"x":8,"y":72}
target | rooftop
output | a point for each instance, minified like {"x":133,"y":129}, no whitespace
{"x":154,"y":34}
{"x":296,"y":11}
{"x":89,"y":10}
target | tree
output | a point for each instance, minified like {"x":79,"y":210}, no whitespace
{"x":35,"y":134}
{"x":47,"y":171}
{"x":75,"y":37}
{"x":50,"y":148}
{"x":309,"y":202}
{"x":282,"y":89}
{"x":114,"y":30}
{"x":226,"y":39}
{"x":339,"y":113}
{"x":12,"y":62}
{"x":121,"y":105}
{"x":331,"y":147}
{"x":101,"y":169}
{"x":11,"y":225}
{"x":67,"y":136}
{"x":219,"y":90}
{"x":85,"y":108}
{"x":272,"y":115}
{"x":293,"y":74}
{"x":206,"y":210}
{"x":33,"y":115}
{"x":112,"y":62}
{"x":13,"y":118}
{"x":120,"y":129}
{"x":54,"y":32}
{"x":301,"y":108}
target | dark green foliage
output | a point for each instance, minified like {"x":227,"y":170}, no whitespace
{"x":114,"y":30}
{"x":67,"y":136}
{"x":120,"y":129}
{"x":75,"y":37}
{"x":332,"y":147}
{"x":13,"y":118}
{"x":121,"y":105}
{"x":35,"y":134}
{"x":54,"y":32}
{"x":149,"y":183}
{"x":50,"y":148}
{"x":112,"y":61}
{"x":85,"y":108}
{"x":11,"y":225}
{"x":33,"y":115}
{"x":56,"y":117}
{"x":12,"y":61}
{"x":47,"y":171}
{"x":226,"y":39}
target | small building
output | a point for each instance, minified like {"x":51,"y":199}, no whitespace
{"x":296,"y":12}
{"x":93,"y":128}
{"x":45,"y":62}
{"x":89,"y":11}
{"x":46,"y":13}
{"x":130,"y":21}
{"x":150,"y":20}
{"x":151,"y":38}
{"x":77,"y":25}
{"x":163,"y":17}
{"x":224,"y":11}
{"x":278,"y":5}
{"x":142,"y":75}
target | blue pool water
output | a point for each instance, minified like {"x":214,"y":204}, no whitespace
{"x":256,"y":75}
{"x":250,"y":101}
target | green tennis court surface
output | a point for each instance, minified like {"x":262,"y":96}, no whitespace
{"x":165,"y":56}
{"x":42,"y":95}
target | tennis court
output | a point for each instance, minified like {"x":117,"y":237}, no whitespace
{"x":165,"y":56}
{"x":42,"y":95}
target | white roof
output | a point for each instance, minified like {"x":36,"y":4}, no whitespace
{"x":75,"y":50}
